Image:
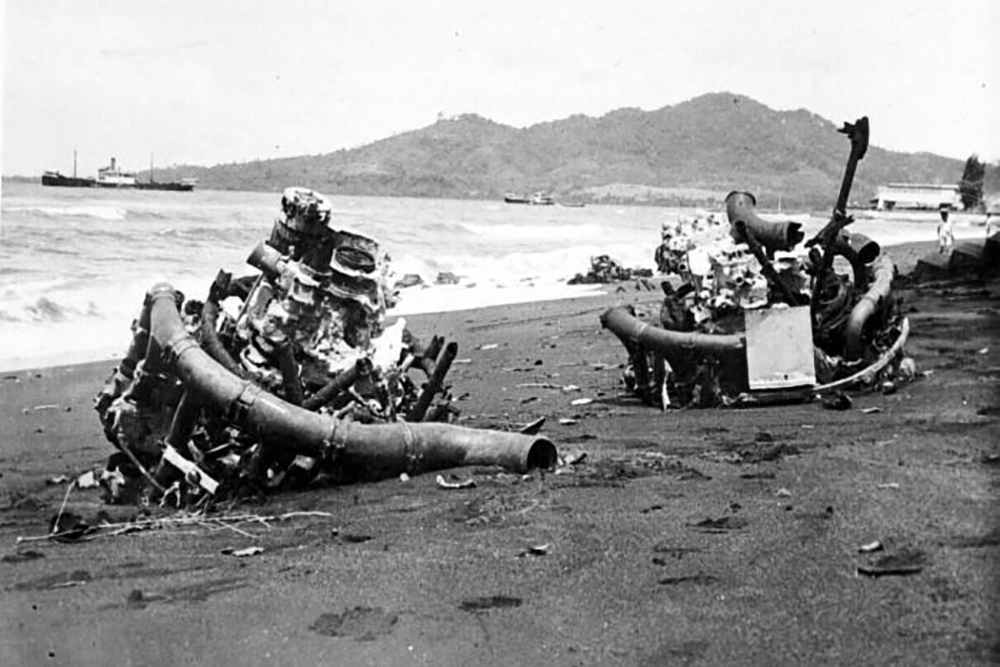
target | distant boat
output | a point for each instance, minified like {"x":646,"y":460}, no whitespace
{"x":112,"y":176}
{"x":511,"y":198}
{"x":537,"y":199}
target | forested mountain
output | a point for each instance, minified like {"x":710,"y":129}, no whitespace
{"x":693,"y":152}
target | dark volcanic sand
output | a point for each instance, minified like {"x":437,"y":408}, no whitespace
{"x":686,"y":537}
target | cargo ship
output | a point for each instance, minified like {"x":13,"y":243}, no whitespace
{"x":112,"y":176}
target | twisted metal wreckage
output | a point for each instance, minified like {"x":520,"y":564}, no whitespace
{"x":304,"y":379}
{"x":758,"y":318}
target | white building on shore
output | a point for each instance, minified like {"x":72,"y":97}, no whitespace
{"x":917,"y":195}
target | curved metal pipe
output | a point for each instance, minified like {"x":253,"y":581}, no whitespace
{"x":339,"y":383}
{"x":871,"y":303}
{"x":843,"y":248}
{"x":630,"y":330}
{"x":860,"y":251}
{"x":266,"y":258}
{"x":363,"y":450}
{"x":772,"y":235}
{"x":867,"y":249}
{"x":210,"y":337}
{"x":209,"y":326}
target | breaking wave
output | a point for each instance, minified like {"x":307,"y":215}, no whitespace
{"x":54,"y":212}
{"x":44,"y":310}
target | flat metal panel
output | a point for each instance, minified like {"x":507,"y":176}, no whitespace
{"x":780,"y":348}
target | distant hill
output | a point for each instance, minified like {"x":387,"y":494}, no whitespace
{"x":690,"y":153}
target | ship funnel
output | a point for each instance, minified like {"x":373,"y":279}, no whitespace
{"x":112,"y":164}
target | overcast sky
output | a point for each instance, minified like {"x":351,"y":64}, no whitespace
{"x":215,"y":81}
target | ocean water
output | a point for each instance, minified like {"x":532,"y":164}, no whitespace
{"x":75,"y":263}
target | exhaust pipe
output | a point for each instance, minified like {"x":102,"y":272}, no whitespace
{"x":365,"y":451}
{"x":772,"y":235}
{"x":671,"y":344}
{"x":871,"y":303}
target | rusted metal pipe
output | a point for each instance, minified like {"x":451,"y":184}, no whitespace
{"x":140,"y":342}
{"x":772,"y":235}
{"x":361,"y":450}
{"x":441,"y":367}
{"x":870,"y":304}
{"x":339,"y":383}
{"x":284,"y":358}
{"x":867,"y":249}
{"x":210,"y":324}
{"x":632,"y":331}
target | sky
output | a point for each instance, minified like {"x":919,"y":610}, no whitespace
{"x":218,"y":81}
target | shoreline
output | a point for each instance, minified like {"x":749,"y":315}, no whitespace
{"x":905,"y":255}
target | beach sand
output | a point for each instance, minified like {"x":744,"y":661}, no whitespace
{"x":684,"y":537}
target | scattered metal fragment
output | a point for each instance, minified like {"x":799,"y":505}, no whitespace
{"x":903,"y":563}
{"x":535,"y":550}
{"x":573,"y":457}
{"x":533,"y":428}
{"x":88,"y":480}
{"x":242,"y":553}
{"x":458,"y":484}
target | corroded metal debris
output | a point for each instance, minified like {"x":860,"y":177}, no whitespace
{"x":285,"y":375}
{"x":754,"y":313}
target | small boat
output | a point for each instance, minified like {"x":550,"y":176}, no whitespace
{"x":511,"y":198}
{"x":537,"y":199}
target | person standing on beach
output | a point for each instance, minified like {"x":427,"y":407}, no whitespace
{"x":944,"y":232}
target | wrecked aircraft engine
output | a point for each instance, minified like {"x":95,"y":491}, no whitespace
{"x":754,"y":316}
{"x":283,"y":376}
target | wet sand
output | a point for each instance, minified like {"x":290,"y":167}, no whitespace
{"x":684,"y":537}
